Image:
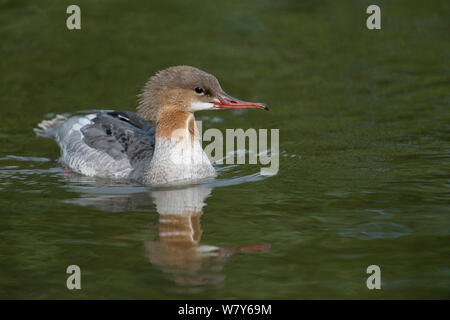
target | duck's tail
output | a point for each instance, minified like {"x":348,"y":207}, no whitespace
{"x":47,"y":128}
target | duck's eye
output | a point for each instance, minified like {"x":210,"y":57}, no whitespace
{"x":199,"y":90}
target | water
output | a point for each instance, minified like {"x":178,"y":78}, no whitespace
{"x":364,"y":152}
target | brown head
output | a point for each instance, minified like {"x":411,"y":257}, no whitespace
{"x":181,"y":90}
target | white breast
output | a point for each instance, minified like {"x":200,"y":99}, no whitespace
{"x":178,"y":161}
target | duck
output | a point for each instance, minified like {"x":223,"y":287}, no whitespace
{"x":159,"y":144}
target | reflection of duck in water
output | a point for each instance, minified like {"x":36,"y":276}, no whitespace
{"x":178,"y":250}
{"x":157,"y":145}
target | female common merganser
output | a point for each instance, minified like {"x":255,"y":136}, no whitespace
{"x":157,"y":145}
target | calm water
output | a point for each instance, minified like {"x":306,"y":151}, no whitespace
{"x":364,"y":152}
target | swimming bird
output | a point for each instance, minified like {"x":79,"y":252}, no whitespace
{"x":159,"y":144}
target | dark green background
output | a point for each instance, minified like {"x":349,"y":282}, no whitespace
{"x":364,"y":143}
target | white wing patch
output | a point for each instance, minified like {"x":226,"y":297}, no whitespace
{"x":82,"y":122}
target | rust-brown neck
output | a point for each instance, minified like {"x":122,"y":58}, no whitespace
{"x":175,"y":124}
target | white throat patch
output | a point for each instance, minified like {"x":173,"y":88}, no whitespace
{"x":197,"y":106}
